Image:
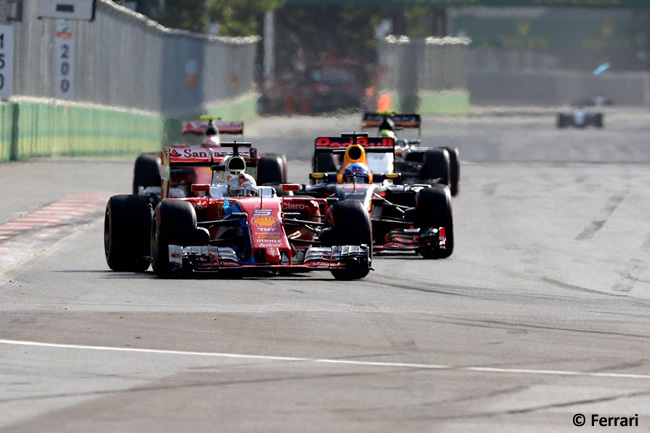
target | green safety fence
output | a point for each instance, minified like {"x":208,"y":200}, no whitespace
{"x":241,"y":108}
{"x":244,"y":107}
{"x":35,"y":129}
{"x":6,"y":116}
{"x":41,"y":129}
{"x":431,"y":103}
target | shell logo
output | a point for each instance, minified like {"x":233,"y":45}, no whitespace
{"x":265,"y":221}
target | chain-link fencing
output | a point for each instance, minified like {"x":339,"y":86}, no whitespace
{"x":131,"y":82}
{"x":125,"y":60}
{"x":424,"y":75}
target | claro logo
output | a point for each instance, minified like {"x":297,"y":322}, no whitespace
{"x":294,"y":206}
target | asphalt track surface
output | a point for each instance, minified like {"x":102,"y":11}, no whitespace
{"x":539,"y":315}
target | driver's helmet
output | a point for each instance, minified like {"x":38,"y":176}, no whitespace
{"x":387,"y":133}
{"x":387,"y":124}
{"x":210,"y":141}
{"x":356,"y":172}
{"x":241,"y":185}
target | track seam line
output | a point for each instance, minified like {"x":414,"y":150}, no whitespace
{"x":332,"y":361}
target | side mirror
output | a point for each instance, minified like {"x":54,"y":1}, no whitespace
{"x":290,"y":187}
{"x":393,"y":176}
{"x":318,"y":176}
{"x":266,"y":191}
{"x":200,"y":187}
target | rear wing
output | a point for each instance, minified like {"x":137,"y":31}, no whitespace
{"x":198,"y":127}
{"x":373,"y":120}
{"x":231,"y":127}
{"x":339,"y":144}
{"x":203,"y":159}
{"x":207,"y":156}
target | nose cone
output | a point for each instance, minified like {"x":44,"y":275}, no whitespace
{"x":272,"y":256}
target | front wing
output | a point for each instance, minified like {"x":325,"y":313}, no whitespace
{"x":412,"y":240}
{"x":212,"y":258}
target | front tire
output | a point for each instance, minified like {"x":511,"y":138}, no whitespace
{"x":351,"y":225}
{"x":174,"y":223}
{"x":433,"y":210}
{"x":127,"y":224}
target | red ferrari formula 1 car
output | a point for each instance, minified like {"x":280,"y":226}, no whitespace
{"x":416,"y":217}
{"x":230,"y":223}
{"x":147,"y":172}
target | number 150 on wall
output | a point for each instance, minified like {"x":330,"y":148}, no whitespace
{"x":6,"y":61}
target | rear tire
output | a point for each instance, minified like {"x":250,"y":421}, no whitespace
{"x":146,"y":171}
{"x":561,"y":121}
{"x":174,"y":223}
{"x":436,"y":166}
{"x":127,"y":224}
{"x":351,"y":224}
{"x":323,"y":163}
{"x":271,"y":169}
{"x":598,"y":120}
{"x":454,"y":170}
{"x":433,"y":210}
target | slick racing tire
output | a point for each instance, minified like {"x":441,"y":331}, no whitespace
{"x":174,"y":223}
{"x":323,"y":163}
{"x":561,"y":121}
{"x":454,"y":170}
{"x":351,"y":225}
{"x":146,"y":171}
{"x":436,"y":166}
{"x":433,"y":210}
{"x":263,"y":105}
{"x":127,"y":224}
{"x":598,"y":120}
{"x":271,"y":169}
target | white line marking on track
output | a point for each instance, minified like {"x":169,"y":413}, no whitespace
{"x":332,"y":361}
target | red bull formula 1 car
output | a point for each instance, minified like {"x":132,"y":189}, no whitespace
{"x":227,"y":224}
{"x":416,"y":217}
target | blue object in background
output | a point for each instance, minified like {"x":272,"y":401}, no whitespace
{"x":602,"y":68}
